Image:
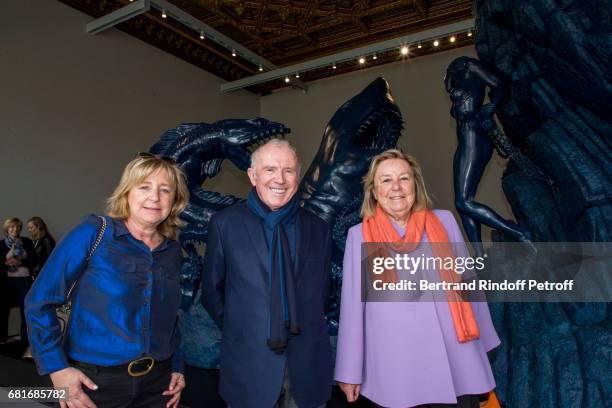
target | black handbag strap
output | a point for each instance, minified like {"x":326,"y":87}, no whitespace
{"x":99,"y":236}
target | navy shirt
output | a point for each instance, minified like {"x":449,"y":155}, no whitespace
{"x":124,"y":305}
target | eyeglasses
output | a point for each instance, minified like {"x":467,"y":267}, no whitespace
{"x":148,"y":155}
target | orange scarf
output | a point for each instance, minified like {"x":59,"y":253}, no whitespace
{"x":380,"y":229}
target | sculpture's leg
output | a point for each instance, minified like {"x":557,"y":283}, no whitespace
{"x":472,"y":155}
{"x":481,"y":213}
{"x":472,"y":229}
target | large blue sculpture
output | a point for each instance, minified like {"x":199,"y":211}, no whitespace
{"x":556,"y":57}
{"x":364,"y":126}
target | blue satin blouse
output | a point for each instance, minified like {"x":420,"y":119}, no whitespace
{"x":124,"y":305}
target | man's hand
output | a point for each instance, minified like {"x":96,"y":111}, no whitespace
{"x":72,"y":379}
{"x":350,"y":390}
{"x":177,"y":383}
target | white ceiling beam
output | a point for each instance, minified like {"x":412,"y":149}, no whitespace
{"x":364,"y":51}
{"x":118,"y":16}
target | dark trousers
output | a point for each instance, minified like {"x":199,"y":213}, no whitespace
{"x":16,"y":291}
{"x":4,"y":307}
{"x":463,"y":401}
{"x":117,"y":389}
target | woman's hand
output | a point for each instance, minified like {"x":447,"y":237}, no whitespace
{"x":350,"y":390}
{"x":177,"y":383}
{"x":13,"y":262}
{"x":72,"y":378}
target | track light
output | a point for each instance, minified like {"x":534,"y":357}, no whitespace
{"x":419,"y":46}
{"x":470,"y":33}
{"x":164,"y":15}
{"x":260,"y":68}
{"x":404,"y":50}
{"x":297,"y":75}
{"x":361,"y":60}
{"x":201,"y":35}
{"x":233,"y":53}
{"x":436,"y":43}
{"x":334,"y":65}
{"x":452,"y":39}
{"x":287,"y":80}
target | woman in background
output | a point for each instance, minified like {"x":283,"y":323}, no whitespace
{"x":43,"y":242}
{"x":17,"y":261}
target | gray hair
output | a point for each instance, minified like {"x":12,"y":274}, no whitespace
{"x":277,"y":143}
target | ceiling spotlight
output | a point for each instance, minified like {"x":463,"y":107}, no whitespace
{"x":374,"y":57}
{"x":361,"y":60}
{"x":436,"y":43}
{"x":452,"y":39}
{"x":297,"y":75}
{"x":201,"y":35}
{"x":260,"y":68}
{"x":470,"y":33}
{"x":164,"y":15}
{"x":287,"y":80}
{"x":419,"y":46}
{"x":334,"y":65}
{"x":233,"y":53}
{"x":404,"y":50}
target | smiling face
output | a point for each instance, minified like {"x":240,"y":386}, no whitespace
{"x":275,"y":175}
{"x":394,"y":188}
{"x":13,"y":231}
{"x":150,"y":202}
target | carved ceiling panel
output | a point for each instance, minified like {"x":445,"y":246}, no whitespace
{"x":285,"y":32}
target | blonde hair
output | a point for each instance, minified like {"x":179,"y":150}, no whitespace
{"x":135,"y":173}
{"x":422,"y":200}
{"x":12,"y":221}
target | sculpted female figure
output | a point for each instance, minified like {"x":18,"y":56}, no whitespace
{"x":466,"y":81}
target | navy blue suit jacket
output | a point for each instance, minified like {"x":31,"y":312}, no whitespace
{"x":235,"y":291}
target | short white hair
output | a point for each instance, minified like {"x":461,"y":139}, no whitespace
{"x":277,"y":143}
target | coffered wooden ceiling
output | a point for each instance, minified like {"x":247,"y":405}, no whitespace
{"x":286,"y":32}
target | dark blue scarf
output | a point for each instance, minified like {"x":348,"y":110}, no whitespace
{"x":283,"y":299}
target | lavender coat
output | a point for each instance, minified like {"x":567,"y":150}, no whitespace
{"x":407,"y":353}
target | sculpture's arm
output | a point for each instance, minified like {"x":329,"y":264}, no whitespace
{"x":498,"y":89}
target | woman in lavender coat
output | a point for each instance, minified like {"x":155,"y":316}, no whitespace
{"x":407,"y":354}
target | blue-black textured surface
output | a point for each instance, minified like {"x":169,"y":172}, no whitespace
{"x":556,"y":57}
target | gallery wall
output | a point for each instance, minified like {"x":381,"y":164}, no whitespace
{"x":429,"y":131}
{"x":76,"y":107}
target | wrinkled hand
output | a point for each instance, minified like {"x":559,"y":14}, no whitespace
{"x":72,"y":379}
{"x":13,"y":262}
{"x":350,"y":390}
{"x":177,"y":383}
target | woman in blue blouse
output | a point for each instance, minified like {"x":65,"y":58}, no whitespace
{"x":121,"y":344}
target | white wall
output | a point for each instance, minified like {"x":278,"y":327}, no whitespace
{"x":429,"y":131}
{"x":75,"y":108}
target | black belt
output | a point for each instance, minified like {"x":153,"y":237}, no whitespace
{"x":135,"y":368}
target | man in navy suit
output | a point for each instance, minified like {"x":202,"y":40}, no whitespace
{"x":265,"y":284}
